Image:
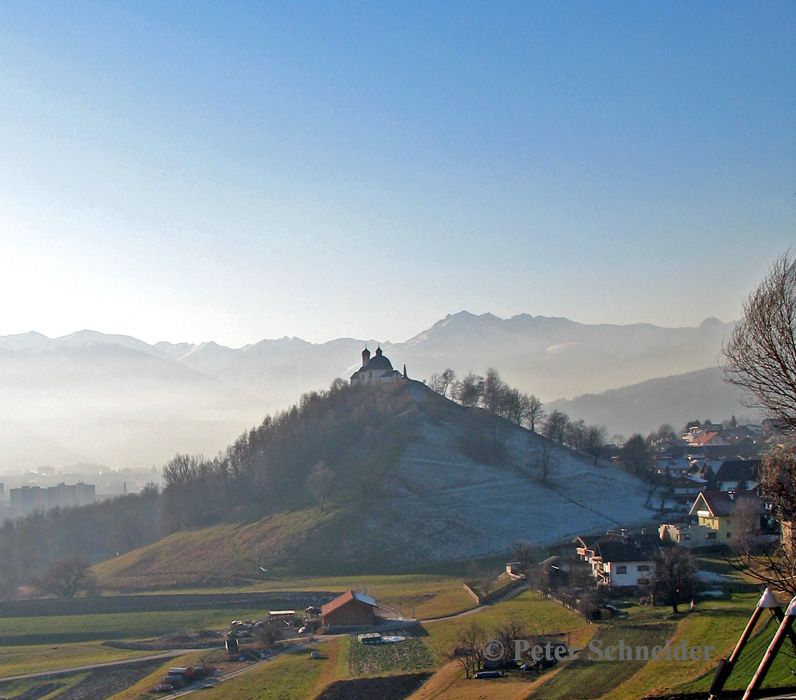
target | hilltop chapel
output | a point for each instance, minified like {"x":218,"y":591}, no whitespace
{"x":376,"y":370}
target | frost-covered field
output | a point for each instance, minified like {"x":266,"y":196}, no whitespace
{"x":441,"y":505}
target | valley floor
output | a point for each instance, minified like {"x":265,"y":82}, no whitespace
{"x":420,"y":668}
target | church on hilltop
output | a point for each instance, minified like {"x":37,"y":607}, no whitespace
{"x":376,"y":370}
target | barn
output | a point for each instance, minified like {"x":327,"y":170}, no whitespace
{"x":350,"y":610}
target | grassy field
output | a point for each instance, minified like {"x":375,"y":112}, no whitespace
{"x":47,"y":657}
{"x":588,"y":676}
{"x":538,"y":614}
{"x":289,"y":677}
{"x":85,"y":628}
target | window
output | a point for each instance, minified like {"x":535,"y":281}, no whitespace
{"x":710,"y":536}
{"x":643,"y":582}
{"x":729,"y":535}
{"x":621,"y":569}
{"x":685,"y":536}
{"x":643,"y":567}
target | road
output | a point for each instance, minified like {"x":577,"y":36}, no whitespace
{"x":104,"y":664}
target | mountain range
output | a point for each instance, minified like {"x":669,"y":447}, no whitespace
{"x":111,"y":399}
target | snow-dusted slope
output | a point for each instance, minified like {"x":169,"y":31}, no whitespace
{"x":443,"y":506}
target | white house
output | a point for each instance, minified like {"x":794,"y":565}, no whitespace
{"x":622,"y":564}
{"x":376,"y":370}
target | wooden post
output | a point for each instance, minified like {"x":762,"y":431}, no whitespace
{"x":725,"y":666}
{"x":783,"y":631}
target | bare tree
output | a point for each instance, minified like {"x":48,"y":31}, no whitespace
{"x":596,"y":437}
{"x":761,"y":351}
{"x":674,"y":579}
{"x":546,"y":457}
{"x":525,"y":554}
{"x":469,"y":650}
{"x":469,"y":390}
{"x":319,"y":482}
{"x":494,"y":393}
{"x":448,"y":379}
{"x":746,"y":526}
{"x":436,"y":384}
{"x":555,"y":426}
{"x":575,"y":434}
{"x":636,"y":457}
{"x":516,"y":406}
{"x":67,"y":577}
{"x":534,"y":414}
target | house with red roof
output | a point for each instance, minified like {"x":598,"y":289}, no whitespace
{"x":351,"y":609}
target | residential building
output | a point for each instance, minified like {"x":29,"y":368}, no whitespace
{"x":719,"y":512}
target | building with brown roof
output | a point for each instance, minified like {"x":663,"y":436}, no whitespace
{"x":719,"y":511}
{"x":351,"y":609}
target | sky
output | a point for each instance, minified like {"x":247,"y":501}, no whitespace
{"x":233,"y":171}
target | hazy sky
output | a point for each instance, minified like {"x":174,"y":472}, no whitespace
{"x":236,"y":171}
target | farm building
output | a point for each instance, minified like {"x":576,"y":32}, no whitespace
{"x":350,"y":610}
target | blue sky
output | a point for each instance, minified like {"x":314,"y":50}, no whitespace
{"x":236,"y":171}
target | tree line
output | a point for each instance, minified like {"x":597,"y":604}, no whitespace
{"x":492,"y":394}
{"x":289,"y":456}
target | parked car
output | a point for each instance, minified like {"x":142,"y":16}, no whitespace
{"x":488,"y":674}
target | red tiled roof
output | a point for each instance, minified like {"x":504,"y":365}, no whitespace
{"x":347,"y":597}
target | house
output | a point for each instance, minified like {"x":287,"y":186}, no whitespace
{"x":708,"y":440}
{"x":616,"y":564}
{"x":737,"y":474}
{"x":350,"y":610}
{"x":376,"y":370}
{"x":586,"y":545}
{"x":719,"y":512}
{"x":684,"y":488}
{"x":687,"y":534}
{"x":672,"y":466}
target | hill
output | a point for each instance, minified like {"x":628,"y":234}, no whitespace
{"x":115,"y":400}
{"x":425,"y":483}
{"x":642,"y":408}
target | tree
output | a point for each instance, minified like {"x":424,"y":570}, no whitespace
{"x":469,"y":650}
{"x":596,"y":437}
{"x":319,"y":481}
{"x":442,"y":382}
{"x":746,"y":525}
{"x":67,"y":577}
{"x":636,"y":457}
{"x":761,"y":351}
{"x":555,"y":426}
{"x":534,"y":414}
{"x":546,"y":457}
{"x":674,"y":580}
{"x":575,"y":434}
{"x":469,"y":390}
{"x":525,"y":554}
{"x":516,"y":406}
{"x":268,"y":633}
{"x":494,"y":392}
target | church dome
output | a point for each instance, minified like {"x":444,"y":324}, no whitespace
{"x":378,"y":361}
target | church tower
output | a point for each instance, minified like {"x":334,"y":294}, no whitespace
{"x":365,"y":356}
